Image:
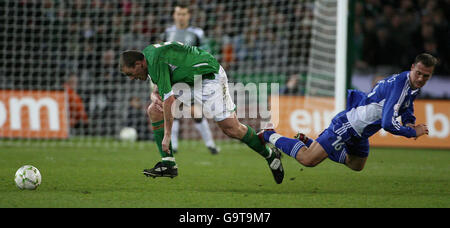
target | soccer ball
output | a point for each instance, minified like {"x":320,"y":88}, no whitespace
{"x":28,"y":177}
{"x":128,"y":134}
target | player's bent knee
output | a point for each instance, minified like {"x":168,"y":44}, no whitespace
{"x":153,"y":113}
{"x":357,"y":168}
{"x":355,"y":163}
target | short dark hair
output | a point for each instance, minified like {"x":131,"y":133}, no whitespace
{"x":129,"y":58}
{"x":426,"y":59}
{"x":183,"y":5}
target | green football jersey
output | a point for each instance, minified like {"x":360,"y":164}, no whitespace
{"x":172,"y":62}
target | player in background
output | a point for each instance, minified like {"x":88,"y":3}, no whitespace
{"x":182,"y":32}
{"x":346,"y":139}
{"x":171,"y":64}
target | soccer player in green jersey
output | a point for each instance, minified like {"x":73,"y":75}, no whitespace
{"x":170,"y":63}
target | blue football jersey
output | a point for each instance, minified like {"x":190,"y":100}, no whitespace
{"x":391,"y":98}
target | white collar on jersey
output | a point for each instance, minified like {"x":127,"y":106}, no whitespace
{"x":412,"y":91}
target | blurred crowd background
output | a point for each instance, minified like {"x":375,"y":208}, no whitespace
{"x":88,"y":34}
{"x":74,"y":44}
{"x":390,"y":33}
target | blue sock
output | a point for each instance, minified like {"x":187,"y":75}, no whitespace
{"x":309,"y":142}
{"x":287,"y":145}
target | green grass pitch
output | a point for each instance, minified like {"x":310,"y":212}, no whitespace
{"x":102,"y":176}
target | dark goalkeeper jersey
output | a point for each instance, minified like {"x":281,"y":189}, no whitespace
{"x":191,"y":36}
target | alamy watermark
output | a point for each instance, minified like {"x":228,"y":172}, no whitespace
{"x":218,"y":99}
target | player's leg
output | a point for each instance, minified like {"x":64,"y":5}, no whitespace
{"x":307,"y":156}
{"x":234,"y":129}
{"x":357,"y":154}
{"x":353,"y":153}
{"x":246,"y":134}
{"x":202,"y":126}
{"x":355,"y":163}
{"x":311,"y":156}
{"x":218,"y":104}
{"x":174,"y":135}
{"x":305,"y":139}
{"x":167,"y":167}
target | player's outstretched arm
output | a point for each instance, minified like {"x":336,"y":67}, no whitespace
{"x":391,"y":107}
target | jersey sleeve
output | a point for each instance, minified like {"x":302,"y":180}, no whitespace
{"x":408,"y":116}
{"x":391,"y":108}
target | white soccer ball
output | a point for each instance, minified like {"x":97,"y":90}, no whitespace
{"x":28,"y":177}
{"x":128,"y":134}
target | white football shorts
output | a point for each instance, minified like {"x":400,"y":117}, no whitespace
{"x":212,"y":95}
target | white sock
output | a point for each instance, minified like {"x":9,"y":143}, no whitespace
{"x":203,"y":128}
{"x":175,"y":130}
{"x":274,"y":138}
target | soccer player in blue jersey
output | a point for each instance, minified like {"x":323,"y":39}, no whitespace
{"x":346,"y":139}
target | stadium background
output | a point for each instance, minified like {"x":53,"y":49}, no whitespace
{"x":66,"y":52}
{"x":73,"y":46}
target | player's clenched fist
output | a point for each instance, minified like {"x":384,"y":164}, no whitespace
{"x":421,"y":129}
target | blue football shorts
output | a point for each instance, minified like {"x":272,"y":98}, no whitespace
{"x":338,"y":140}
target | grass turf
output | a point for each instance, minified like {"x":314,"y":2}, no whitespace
{"x":101,"y":176}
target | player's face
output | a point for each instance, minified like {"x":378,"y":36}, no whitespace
{"x":181,"y":16}
{"x":138,"y":72}
{"x":419,"y":75}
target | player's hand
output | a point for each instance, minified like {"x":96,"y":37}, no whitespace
{"x":421,"y":129}
{"x":155,"y":98}
{"x":166,"y":144}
